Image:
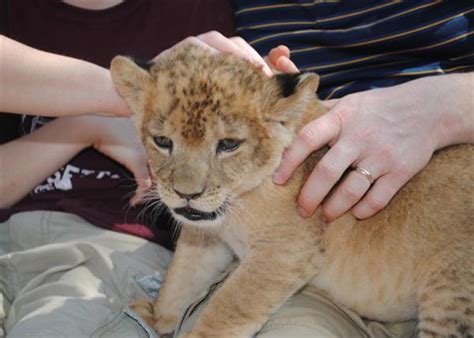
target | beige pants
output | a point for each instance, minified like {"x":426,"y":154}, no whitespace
{"x":310,"y":313}
{"x":63,"y":277}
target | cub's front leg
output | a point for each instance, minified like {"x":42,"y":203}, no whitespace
{"x":197,"y":262}
{"x":264,"y":280}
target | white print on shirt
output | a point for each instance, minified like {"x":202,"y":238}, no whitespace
{"x":62,"y":179}
{"x":35,"y":122}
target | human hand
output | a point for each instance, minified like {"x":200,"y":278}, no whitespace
{"x":279,"y":60}
{"x":216,"y":42}
{"x":389,"y":134}
{"x":117,"y":139}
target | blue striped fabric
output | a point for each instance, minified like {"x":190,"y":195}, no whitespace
{"x":359,"y":45}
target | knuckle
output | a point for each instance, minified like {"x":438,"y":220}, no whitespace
{"x":404,"y":169}
{"x":350,"y":193}
{"x":333,"y":124}
{"x":308,"y":136}
{"x":363,"y":135}
{"x":386,"y":152}
{"x":327,"y":170}
{"x":214,"y":34}
{"x":190,"y":40}
{"x":343,"y":114}
{"x":238,"y":39}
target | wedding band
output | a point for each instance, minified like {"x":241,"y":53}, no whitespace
{"x":364,"y":172}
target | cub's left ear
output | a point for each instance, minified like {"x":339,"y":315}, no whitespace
{"x":294,"y":92}
{"x":131,"y":79}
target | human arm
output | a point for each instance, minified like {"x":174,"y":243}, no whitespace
{"x":41,"y":83}
{"x":27,"y":161}
{"x":391,"y":132}
{"x":278,"y":60}
{"x":53,"y":145}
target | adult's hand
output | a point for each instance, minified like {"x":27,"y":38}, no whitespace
{"x":117,"y":139}
{"x":215,"y":42}
{"x":389,"y":134}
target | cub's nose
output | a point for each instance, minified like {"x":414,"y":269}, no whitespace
{"x":188,"y":196}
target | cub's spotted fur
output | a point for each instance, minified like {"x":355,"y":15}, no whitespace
{"x":215,"y":128}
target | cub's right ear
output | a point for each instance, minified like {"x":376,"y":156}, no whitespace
{"x":130,"y":80}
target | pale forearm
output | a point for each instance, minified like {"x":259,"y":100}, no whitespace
{"x":27,"y":161}
{"x":461,"y":103}
{"x":40,"y":83}
{"x":451,"y":97}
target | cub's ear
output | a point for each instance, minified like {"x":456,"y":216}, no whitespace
{"x":293,"y":94}
{"x":131,"y":79}
{"x":295,"y":82}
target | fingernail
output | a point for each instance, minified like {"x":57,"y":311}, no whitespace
{"x":278,"y":178}
{"x":302,"y":212}
{"x":325,"y":219}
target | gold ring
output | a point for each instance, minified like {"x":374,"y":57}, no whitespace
{"x":364,"y":172}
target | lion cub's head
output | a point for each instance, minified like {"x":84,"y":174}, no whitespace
{"x":214,"y":126}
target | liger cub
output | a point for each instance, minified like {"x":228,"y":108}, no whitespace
{"x":215,"y":128}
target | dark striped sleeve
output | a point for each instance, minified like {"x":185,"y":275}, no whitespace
{"x":358,"y":45}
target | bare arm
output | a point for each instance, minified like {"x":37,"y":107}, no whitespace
{"x":41,"y":83}
{"x":31,"y":83}
{"x":35,"y":82}
{"x":27,"y":161}
{"x":390,"y":132}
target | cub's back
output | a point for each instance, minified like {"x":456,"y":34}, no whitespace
{"x":375,"y":266}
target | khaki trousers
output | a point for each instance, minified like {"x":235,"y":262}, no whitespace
{"x":63,"y":277}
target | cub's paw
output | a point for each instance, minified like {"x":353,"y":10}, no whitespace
{"x":166,"y":324}
{"x":144,"y":308}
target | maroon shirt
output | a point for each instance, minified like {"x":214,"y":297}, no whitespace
{"x":91,"y":185}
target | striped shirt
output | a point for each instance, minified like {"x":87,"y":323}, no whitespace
{"x":359,"y":45}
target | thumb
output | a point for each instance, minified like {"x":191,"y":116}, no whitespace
{"x":142,"y":187}
{"x":143,"y":180}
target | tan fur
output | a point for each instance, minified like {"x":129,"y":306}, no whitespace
{"x":414,"y":258}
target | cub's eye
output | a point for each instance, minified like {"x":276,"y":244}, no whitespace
{"x":228,"y":145}
{"x":163,"y":142}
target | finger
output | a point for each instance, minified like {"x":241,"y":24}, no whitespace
{"x":313,"y":136}
{"x":324,"y":176}
{"x":276,"y":53}
{"x":347,"y":194}
{"x":352,"y":189}
{"x":141,"y":174}
{"x":189,"y":40}
{"x":378,"y":196}
{"x":279,"y":59}
{"x":142,"y":187}
{"x":253,"y":54}
{"x":285,"y":65}
{"x":219,"y":42}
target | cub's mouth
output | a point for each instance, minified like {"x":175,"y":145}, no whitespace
{"x":198,"y":215}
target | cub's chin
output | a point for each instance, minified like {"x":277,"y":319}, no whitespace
{"x":195,"y":217}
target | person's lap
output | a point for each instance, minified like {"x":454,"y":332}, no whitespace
{"x":62,"y":277}
{"x":310,"y":313}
